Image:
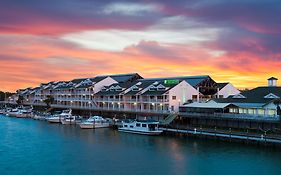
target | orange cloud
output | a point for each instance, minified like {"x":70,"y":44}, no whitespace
{"x":34,"y":60}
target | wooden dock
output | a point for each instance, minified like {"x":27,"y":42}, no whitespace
{"x":225,"y":135}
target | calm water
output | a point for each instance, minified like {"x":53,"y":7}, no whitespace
{"x":36,"y":147}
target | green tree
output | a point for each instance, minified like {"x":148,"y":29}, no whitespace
{"x":49,"y":100}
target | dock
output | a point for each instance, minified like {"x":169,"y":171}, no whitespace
{"x":224,"y":135}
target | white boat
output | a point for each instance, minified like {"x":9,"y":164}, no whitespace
{"x":71,"y":119}
{"x":95,"y":122}
{"x":145,"y":127}
{"x":42,"y":116}
{"x":13,"y":112}
{"x":21,"y":112}
{"x":54,"y":119}
{"x":58,"y":118}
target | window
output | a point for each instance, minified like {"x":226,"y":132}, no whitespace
{"x":174,"y":97}
{"x":220,"y":96}
{"x":126,"y":126}
{"x":194,"y":97}
{"x":143,"y":125}
{"x":138,"y":125}
{"x":131,"y":126}
{"x":119,"y":89}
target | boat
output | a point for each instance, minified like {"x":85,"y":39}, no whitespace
{"x":13,"y":112}
{"x":95,"y":122}
{"x":71,"y":119}
{"x":24,"y":113}
{"x":41,"y":116}
{"x":57,"y":118}
{"x":145,"y":127}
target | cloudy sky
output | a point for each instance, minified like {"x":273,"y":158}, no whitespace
{"x":231,"y":40}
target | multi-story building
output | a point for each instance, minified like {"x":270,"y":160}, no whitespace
{"x":128,"y":92}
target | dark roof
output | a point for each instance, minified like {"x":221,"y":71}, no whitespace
{"x":148,"y":82}
{"x":78,"y":80}
{"x":192,"y":80}
{"x":272,"y":78}
{"x":124,"y":86}
{"x":121,"y":78}
{"x":255,"y":95}
{"x":97,"y":79}
{"x":221,"y":85}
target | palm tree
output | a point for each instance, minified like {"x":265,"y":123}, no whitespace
{"x":49,"y":100}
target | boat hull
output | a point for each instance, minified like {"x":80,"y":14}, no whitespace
{"x":54,"y":120}
{"x":140,"y":131}
{"x":67,"y":122}
{"x":93,"y":126}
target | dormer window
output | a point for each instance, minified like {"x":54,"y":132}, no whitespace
{"x":119,"y":89}
{"x":111,"y":88}
{"x":271,"y":96}
{"x":135,"y":88}
{"x":239,"y":96}
{"x":152,"y":88}
{"x":161,"y":87}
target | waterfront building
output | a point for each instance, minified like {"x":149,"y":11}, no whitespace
{"x":258,"y":102}
{"x":128,"y":92}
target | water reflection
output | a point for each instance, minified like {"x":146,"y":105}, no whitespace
{"x":36,"y":147}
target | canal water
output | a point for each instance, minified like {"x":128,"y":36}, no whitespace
{"x":36,"y":147}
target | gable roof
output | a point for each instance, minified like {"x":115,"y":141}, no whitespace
{"x":221,"y":85}
{"x":255,"y":95}
{"x":121,"y":78}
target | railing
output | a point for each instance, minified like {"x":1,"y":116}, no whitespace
{"x":129,"y":100}
{"x":112,"y":109}
{"x":232,"y":116}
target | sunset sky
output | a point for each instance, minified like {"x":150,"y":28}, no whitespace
{"x":237,"y":41}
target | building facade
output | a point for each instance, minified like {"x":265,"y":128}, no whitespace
{"x":127,"y":92}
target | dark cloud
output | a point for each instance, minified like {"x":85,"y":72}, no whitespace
{"x":57,"y":17}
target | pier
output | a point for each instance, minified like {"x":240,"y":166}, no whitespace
{"x":224,"y":135}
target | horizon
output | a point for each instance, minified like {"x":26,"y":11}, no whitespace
{"x":231,"y":41}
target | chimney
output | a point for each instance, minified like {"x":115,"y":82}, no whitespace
{"x":272,"y":82}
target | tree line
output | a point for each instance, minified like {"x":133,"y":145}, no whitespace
{"x":2,"y":95}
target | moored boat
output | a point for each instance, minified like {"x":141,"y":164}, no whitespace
{"x":57,"y":118}
{"x":95,"y":122}
{"x":71,"y":119}
{"x":145,"y":127}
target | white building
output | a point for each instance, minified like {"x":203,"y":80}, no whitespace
{"x":226,"y":89}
